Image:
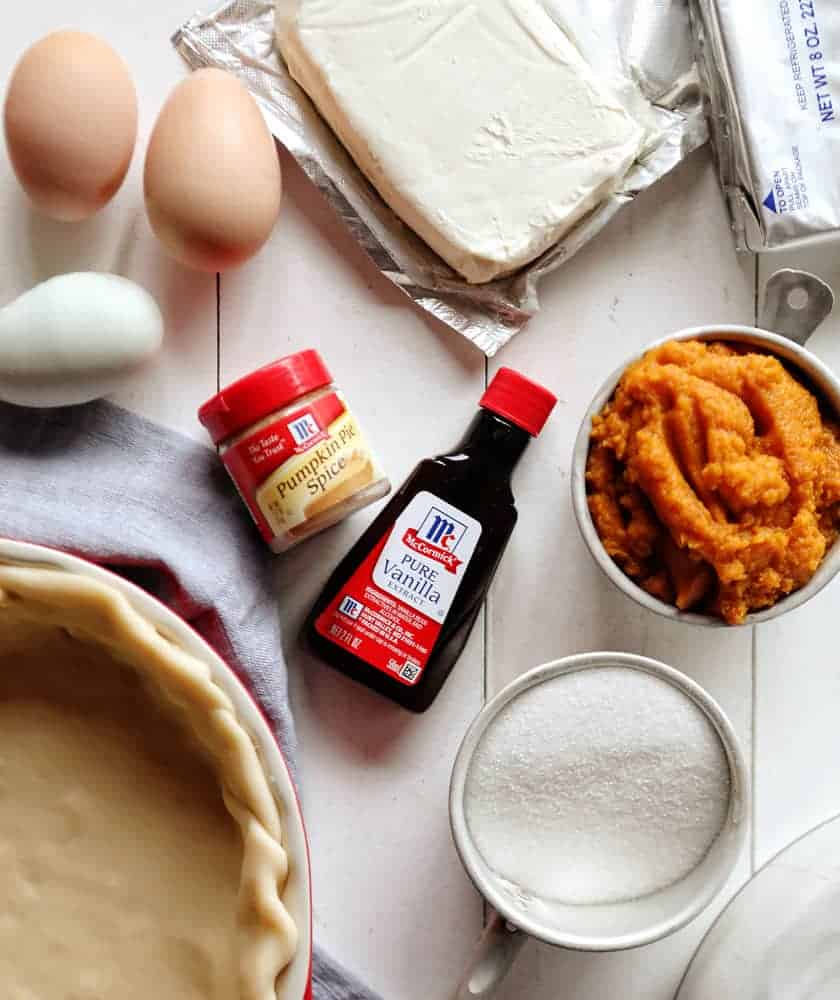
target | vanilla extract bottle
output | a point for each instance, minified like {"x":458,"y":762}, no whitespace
{"x":399,"y":608}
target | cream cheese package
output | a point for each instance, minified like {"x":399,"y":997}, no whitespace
{"x":640,"y":54}
{"x":482,"y":126}
{"x":771,"y":73}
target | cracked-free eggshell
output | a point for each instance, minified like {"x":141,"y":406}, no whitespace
{"x":70,"y":119}
{"x":212,"y":178}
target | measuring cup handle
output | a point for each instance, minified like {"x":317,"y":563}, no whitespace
{"x":795,"y":303}
{"x":494,"y":955}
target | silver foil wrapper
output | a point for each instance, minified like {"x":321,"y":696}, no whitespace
{"x":643,"y":48}
{"x":770,"y":71}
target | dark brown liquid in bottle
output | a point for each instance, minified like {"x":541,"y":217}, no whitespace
{"x":475,"y":478}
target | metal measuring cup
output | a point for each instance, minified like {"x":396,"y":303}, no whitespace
{"x":603,"y":927}
{"x":796,"y":302}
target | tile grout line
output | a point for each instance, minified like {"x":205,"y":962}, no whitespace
{"x":486,"y":624}
{"x":484,"y":654}
{"x":754,"y":663}
{"x":218,"y":331}
{"x":753,"y":746}
{"x":485,"y":907}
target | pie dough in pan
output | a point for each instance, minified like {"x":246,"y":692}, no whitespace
{"x":139,"y":831}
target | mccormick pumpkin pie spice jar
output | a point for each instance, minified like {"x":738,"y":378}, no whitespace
{"x":293,"y":448}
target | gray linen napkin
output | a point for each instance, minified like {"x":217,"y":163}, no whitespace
{"x":158,"y":508}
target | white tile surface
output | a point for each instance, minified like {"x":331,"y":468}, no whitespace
{"x":391,"y":899}
{"x":797,"y":666}
{"x":642,"y":279}
{"x":387,"y":882}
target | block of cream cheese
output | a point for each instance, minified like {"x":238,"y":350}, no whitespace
{"x":479,"y":123}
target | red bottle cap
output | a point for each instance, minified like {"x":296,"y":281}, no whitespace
{"x":255,"y":396}
{"x":519,"y":400}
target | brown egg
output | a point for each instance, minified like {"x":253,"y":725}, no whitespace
{"x":212,"y":178}
{"x":71,"y":124}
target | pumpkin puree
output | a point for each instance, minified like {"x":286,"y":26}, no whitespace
{"x":713,"y":479}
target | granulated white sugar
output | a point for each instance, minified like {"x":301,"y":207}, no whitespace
{"x":596,"y":786}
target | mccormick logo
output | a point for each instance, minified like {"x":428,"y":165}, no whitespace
{"x":304,"y":429}
{"x":437,"y":538}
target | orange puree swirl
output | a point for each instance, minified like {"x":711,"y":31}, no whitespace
{"x":713,"y":478}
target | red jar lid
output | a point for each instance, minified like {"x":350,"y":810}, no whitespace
{"x":519,"y":400}
{"x":255,"y":396}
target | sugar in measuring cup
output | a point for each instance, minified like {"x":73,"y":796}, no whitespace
{"x":597,"y":803}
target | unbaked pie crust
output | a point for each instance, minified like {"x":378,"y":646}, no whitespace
{"x":127,"y":872}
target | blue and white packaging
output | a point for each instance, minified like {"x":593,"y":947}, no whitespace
{"x":771,"y":76}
